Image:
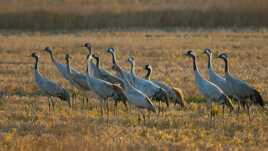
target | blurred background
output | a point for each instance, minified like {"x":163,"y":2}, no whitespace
{"x":121,"y":14}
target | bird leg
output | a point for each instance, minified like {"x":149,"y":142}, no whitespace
{"x":87,"y":100}
{"x":53,"y":105}
{"x":101,"y":107}
{"x":107,"y":106}
{"x":115,"y":107}
{"x":248,"y":110}
{"x":125,"y":104}
{"x":83,"y":102}
{"x":48,"y":99}
{"x":223,"y":106}
{"x":209,"y":104}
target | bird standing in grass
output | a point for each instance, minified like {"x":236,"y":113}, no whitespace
{"x":62,"y":68}
{"x":107,"y":76}
{"x":134,"y":96}
{"x":103,"y":89}
{"x":48,"y":87}
{"x":174,"y":94}
{"x":152,"y":90}
{"x":243,"y":92}
{"x":79,"y":79}
{"x":211,"y":91}
{"x":216,"y":78}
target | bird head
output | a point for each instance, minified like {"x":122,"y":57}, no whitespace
{"x":148,"y":66}
{"x":67,"y":56}
{"x":130,"y":59}
{"x":110,"y":50}
{"x":207,"y":51}
{"x":223,"y":56}
{"x":48,"y":49}
{"x":190,"y":53}
{"x":34,"y":55}
{"x":87,"y":45}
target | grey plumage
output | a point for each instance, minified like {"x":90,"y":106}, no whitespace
{"x":134,"y":96}
{"x":62,"y":68}
{"x":79,"y":79}
{"x":128,"y":75}
{"x":241,"y":89}
{"x":93,"y":68}
{"x":214,"y":77}
{"x":149,"y":88}
{"x":49,"y":87}
{"x":103,"y":89}
{"x":107,"y":76}
{"x":211,"y":91}
{"x":175,"y":94}
{"x":104,"y":74}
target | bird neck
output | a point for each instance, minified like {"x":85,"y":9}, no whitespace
{"x":210,"y":61}
{"x":89,"y":50}
{"x":226,"y":67}
{"x":98,"y":63}
{"x":194,"y":64}
{"x":68,"y":65}
{"x":51,"y":56}
{"x":36,"y":65}
{"x":133,"y":68}
{"x":148,"y":74}
{"x":114,"y":58}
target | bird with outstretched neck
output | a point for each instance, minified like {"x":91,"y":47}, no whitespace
{"x":49,"y":87}
{"x":243,"y":92}
{"x":211,"y":91}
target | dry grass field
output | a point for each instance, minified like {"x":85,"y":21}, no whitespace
{"x":26,"y":123}
{"x":98,"y":14}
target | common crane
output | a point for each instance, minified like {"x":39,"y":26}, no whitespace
{"x":62,"y":68}
{"x":107,"y":76}
{"x":244,"y":92}
{"x":152,"y":90}
{"x":103,"y":89}
{"x":79,"y":79}
{"x":134,"y":96}
{"x":216,"y":78}
{"x":93,"y":68}
{"x":211,"y":91}
{"x":49,"y":87}
{"x":175,"y":94}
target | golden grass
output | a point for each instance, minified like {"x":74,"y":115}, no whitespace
{"x":26,"y":124}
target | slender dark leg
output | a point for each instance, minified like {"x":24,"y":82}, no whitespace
{"x":53,"y":105}
{"x":107,"y":106}
{"x":248,"y":110}
{"x":223,"y":106}
{"x":48,"y":99}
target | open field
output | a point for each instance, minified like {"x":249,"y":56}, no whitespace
{"x":98,"y":14}
{"x":26,"y":124}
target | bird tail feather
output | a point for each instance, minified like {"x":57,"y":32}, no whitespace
{"x":227,"y":101}
{"x":65,"y":97}
{"x":257,"y":98}
{"x":179,"y":94}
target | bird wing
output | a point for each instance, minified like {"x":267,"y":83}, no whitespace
{"x":241,"y":88}
{"x":80,"y":80}
{"x":50,"y":87}
{"x":219,"y":81}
